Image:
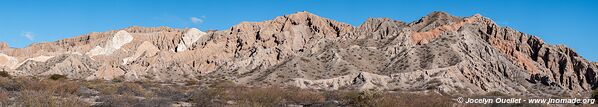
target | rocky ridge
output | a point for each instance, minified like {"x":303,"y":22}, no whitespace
{"x":439,"y":53}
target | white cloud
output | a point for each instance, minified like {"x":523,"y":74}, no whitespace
{"x":197,"y":20}
{"x":29,"y":35}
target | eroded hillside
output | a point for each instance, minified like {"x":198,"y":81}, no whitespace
{"x":440,"y":53}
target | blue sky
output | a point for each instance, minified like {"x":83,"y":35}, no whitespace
{"x":22,"y":22}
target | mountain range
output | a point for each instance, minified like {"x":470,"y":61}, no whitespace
{"x":439,"y":53}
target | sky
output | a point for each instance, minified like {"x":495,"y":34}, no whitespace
{"x":573,"y":23}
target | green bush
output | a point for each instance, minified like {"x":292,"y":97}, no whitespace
{"x":57,"y":77}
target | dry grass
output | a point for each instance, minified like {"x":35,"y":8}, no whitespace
{"x":216,"y":95}
{"x":65,"y":93}
{"x":302,"y":96}
{"x":103,"y":87}
{"x":31,"y":98}
{"x":46,"y":99}
{"x":191,"y":82}
{"x":227,"y":93}
{"x":132,"y":89}
{"x":172,"y":93}
{"x":594,"y":94}
{"x":59,"y":87}
{"x":117,"y":101}
{"x":4,"y":98}
{"x":263,"y":97}
{"x":422,"y":100}
{"x":387,"y":99}
{"x":57,"y":77}
{"x":67,"y":87}
{"x":9,"y":84}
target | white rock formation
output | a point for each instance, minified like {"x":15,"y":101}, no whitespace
{"x":190,"y":37}
{"x":363,"y":81}
{"x":42,"y":58}
{"x":120,"y":38}
{"x":7,"y":61}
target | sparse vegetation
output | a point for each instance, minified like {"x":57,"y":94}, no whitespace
{"x":595,"y":94}
{"x":131,"y":89}
{"x":495,"y":93}
{"x":191,"y":82}
{"x":101,"y":93}
{"x":57,"y":77}
{"x":4,"y":74}
{"x":118,"y":79}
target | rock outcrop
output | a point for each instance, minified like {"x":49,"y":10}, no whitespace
{"x":444,"y":53}
{"x":120,"y":38}
{"x":7,"y":61}
{"x":189,"y":38}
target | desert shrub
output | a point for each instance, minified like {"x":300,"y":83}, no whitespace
{"x":191,"y":82}
{"x":60,"y":87}
{"x":419,"y":99}
{"x":132,"y":89}
{"x":594,"y":94}
{"x":67,"y":87}
{"x":118,"y":79}
{"x":107,"y":89}
{"x":102,"y":86}
{"x":387,"y":99}
{"x":207,"y":96}
{"x":360,"y":99}
{"x":117,"y":101}
{"x":4,"y":98}
{"x":10,"y":85}
{"x":57,"y":77}
{"x":264,"y":97}
{"x":171,"y":93}
{"x":4,"y":74}
{"x":30,"y":98}
{"x":39,"y":85}
{"x":72,"y":101}
{"x":155,"y":102}
{"x":216,"y":94}
{"x":223,"y":84}
{"x":132,"y":101}
{"x":495,"y":93}
{"x":301,"y":96}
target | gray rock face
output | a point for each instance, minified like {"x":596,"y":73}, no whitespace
{"x":444,"y":53}
{"x":72,"y":65}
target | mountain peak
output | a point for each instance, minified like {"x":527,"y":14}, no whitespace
{"x":437,"y":14}
{"x":304,"y":16}
{"x":433,"y":20}
{"x":477,"y":15}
